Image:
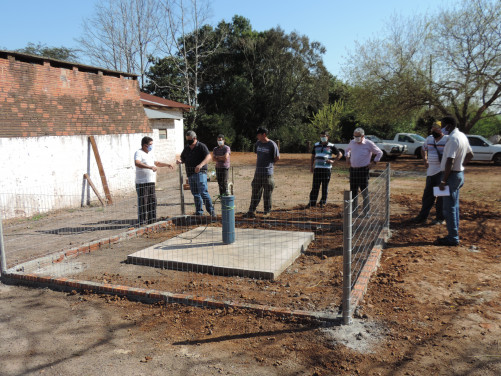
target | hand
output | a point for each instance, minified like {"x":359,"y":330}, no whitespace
{"x":170,"y":166}
{"x":178,"y":161}
{"x":197,"y":169}
{"x":426,"y":164}
{"x":442,"y":185}
{"x":154,"y":168}
{"x":311,"y":169}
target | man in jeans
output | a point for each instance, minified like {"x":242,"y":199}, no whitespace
{"x":457,"y":152}
{"x":195,"y":156}
{"x":263,"y":183}
{"x":432,"y":152}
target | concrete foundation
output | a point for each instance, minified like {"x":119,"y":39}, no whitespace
{"x":255,"y":253}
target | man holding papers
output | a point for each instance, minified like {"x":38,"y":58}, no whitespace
{"x":457,"y":152}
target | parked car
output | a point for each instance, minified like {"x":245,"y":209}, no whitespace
{"x":414,"y":143}
{"x":390,"y":150}
{"x":484,"y":150}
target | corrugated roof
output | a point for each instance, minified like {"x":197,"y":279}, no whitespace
{"x":155,"y":114}
{"x":152,"y":100}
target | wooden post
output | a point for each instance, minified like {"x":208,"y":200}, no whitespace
{"x":94,"y":188}
{"x":101,"y":170}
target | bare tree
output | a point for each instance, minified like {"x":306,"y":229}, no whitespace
{"x":449,"y":62}
{"x":187,"y":38}
{"x":121,"y":35}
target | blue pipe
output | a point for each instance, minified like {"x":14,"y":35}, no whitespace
{"x":228,"y":215}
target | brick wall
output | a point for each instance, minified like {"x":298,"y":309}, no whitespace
{"x":42,"y":97}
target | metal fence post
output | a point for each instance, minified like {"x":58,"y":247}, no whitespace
{"x":3,"y":259}
{"x":181,"y":188}
{"x":347,"y":237}
{"x":387,"y":218}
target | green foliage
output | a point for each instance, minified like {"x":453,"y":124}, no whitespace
{"x":327,"y":118}
{"x":488,"y":127}
{"x":58,"y":53}
{"x":165,"y":79}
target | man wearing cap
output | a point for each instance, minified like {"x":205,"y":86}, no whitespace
{"x":432,"y":152}
{"x":457,"y":152}
{"x":359,"y":153}
{"x":322,"y":157}
{"x":195,"y":156}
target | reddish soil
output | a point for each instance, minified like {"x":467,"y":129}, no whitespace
{"x":429,"y":310}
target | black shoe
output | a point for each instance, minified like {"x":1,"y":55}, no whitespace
{"x":419,"y":220}
{"x":249,"y":215}
{"x":310,"y":205}
{"x":446,"y":242}
{"x":322,"y":204}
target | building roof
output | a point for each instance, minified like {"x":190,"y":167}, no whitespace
{"x":152,"y":100}
{"x":27,"y":58}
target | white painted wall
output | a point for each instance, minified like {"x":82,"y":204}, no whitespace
{"x":40,"y":174}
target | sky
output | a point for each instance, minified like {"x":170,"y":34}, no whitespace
{"x":336,"y":24}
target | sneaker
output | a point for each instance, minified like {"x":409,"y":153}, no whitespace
{"x":266,"y":215}
{"x":322,"y":204}
{"x":249,"y":215}
{"x":438,"y":222}
{"x":446,"y":242}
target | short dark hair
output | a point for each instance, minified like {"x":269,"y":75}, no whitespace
{"x":449,"y":120}
{"x":220,"y":136}
{"x":324,"y":133}
{"x":191,"y":134}
{"x":262,"y":131}
{"x":146,"y":140}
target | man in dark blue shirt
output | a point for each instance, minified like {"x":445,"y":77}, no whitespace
{"x":195,"y":157}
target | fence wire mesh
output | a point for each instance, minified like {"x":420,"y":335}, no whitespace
{"x":291,"y":258}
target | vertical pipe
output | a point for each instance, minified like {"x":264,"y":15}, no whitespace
{"x":228,"y":218}
{"x":3,"y":258}
{"x":181,"y":188}
{"x":387,"y":219}
{"x":347,"y":237}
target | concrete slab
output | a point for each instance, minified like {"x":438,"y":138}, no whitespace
{"x":255,"y":253}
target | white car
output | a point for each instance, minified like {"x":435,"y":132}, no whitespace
{"x":484,"y":150}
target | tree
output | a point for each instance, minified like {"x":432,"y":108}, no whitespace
{"x":449,"y":62}
{"x":186,"y":40}
{"x":121,"y":35}
{"x":58,"y":53}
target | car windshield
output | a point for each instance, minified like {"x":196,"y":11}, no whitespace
{"x":374,"y":138}
{"x":485,"y":140}
{"x":417,"y":137}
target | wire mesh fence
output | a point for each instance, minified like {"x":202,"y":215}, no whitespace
{"x":287,"y":259}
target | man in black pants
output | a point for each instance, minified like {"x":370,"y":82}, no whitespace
{"x":359,"y":157}
{"x":146,"y":168}
{"x":322,"y":158}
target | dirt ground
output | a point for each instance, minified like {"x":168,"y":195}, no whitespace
{"x":428,"y":310}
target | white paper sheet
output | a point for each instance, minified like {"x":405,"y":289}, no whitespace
{"x":438,"y":192}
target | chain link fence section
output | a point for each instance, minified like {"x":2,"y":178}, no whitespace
{"x":89,"y":246}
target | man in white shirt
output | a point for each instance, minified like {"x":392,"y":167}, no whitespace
{"x":359,"y":157}
{"x":146,"y":168}
{"x":432,"y":152}
{"x":457,"y":152}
